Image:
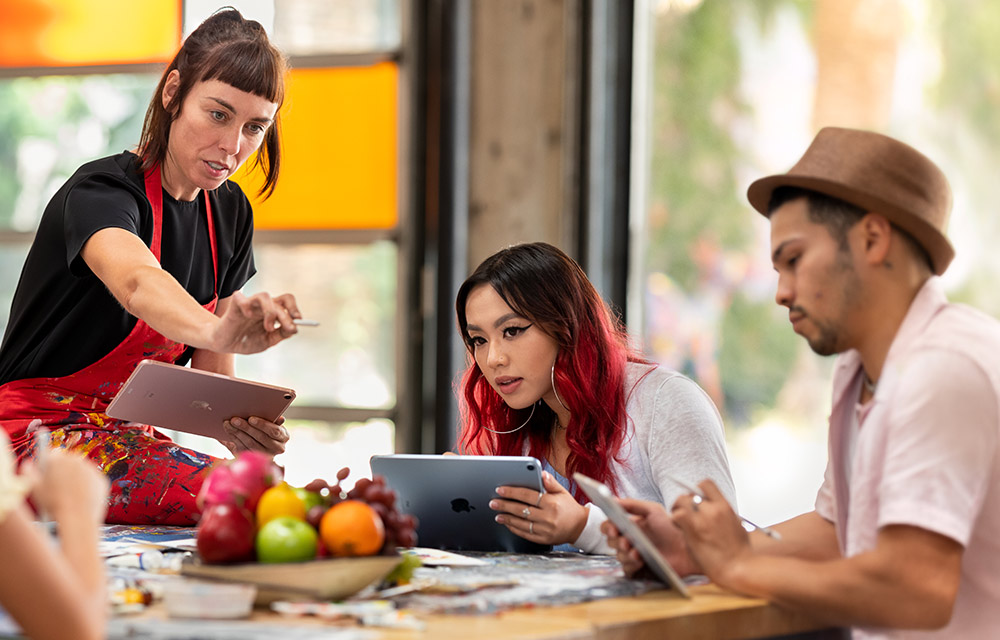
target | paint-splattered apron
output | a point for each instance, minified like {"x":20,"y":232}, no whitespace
{"x":153,"y":481}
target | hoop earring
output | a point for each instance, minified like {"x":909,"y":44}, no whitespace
{"x":552,"y":377}
{"x":535,"y":404}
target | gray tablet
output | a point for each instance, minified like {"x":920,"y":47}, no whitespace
{"x":450,"y":496}
{"x":601,"y":496}
{"x":194,"y":401}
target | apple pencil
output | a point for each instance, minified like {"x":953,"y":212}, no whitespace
{"x":42,"y":443}
{"x":699,"y":496}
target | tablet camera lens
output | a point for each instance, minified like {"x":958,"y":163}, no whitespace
{"x":288,"y":396}
{"x":531,"y":467}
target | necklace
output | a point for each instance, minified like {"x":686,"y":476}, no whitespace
{"x":869,"y":385}
{"x":516,"y":428}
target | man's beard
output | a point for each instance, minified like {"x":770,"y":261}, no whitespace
{"x":830,"y":335}
{"x":827,"y":342}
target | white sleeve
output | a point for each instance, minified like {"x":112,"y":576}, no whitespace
{"x":686,"y":440}
{"x":591,"y":540}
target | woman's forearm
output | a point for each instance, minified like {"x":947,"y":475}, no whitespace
{"x":157,"y":298}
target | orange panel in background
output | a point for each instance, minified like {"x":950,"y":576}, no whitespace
{"x":339,"y":152}
{"x":55,"y":33}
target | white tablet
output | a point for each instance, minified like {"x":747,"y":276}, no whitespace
{"x":450,"y":497}
{"x":601,"y":496}
{"x":194,"y":401}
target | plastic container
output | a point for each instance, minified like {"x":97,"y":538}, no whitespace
{"x":187,"y":598}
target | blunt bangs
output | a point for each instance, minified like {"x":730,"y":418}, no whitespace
{"x":250,"y":66}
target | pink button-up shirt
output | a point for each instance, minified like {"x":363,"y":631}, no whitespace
{"x":926,"y":451}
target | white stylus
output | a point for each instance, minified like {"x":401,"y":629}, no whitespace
{"x":699,"y":496}
{"x":42,"y":443}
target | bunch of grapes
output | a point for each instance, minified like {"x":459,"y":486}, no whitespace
{"x":400,"y":528}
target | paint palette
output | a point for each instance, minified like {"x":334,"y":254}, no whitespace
{"x":328,"y":579}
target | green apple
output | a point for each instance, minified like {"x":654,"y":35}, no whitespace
{"x":286,"y":539}
{"x":309,"y":498}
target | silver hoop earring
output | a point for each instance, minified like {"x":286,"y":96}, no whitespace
{"x":518,"y":428}
{"x":552,"y":377}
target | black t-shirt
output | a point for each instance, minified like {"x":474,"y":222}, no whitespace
{"x":62,"y":318}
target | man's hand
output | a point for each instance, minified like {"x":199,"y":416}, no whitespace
{"x":713,"y":532}
{"x":659,"y":527}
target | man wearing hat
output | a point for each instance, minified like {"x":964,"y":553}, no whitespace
{"x":906,"y":530}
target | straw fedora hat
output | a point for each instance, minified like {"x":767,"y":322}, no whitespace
{"x":878,"y":174}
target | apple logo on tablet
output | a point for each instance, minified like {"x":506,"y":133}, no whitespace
{"x":201,"y":404}
{"x":459,"y":505}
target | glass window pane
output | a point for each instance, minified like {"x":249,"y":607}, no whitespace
{"x":306,"y":27}
{"x":738,"y":89}
{"x":708,"y":286}
{"x":51,"y":125}
{"x":350,"y":359}
{"x":317,"y":449}
{"x":195,"y":12}
{"x":45,"y":33}
{"x":311,"y":27}
{"x":12,"y":257}
{"x":338,"y":155}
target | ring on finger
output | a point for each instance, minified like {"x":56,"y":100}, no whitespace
{"x":539,"y":501}
{"x":695,"y":501}
{"x":526,"y":512}
{"x":531,"y":528}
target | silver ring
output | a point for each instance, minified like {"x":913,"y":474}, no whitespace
{"x":539,"y":501}
{"x":531,"y":527}
{"x":695,"y":501}
{"x":526,"y":512}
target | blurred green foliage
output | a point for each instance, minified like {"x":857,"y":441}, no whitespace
{"x":755,"y":357}
{"x":692,"y":169}
{"x":69,"y":120}
{"x":969,"y":82}
{"x":694,"y":196}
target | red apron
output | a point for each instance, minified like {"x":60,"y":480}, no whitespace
{"x":153,"y":481}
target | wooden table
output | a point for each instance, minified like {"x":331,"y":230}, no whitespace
{"x":711,"y":614}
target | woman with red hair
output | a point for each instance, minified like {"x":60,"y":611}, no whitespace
{"x":552,"y":375}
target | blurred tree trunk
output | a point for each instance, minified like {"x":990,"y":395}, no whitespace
{"x":856,"y":48}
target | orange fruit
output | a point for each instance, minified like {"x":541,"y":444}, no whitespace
{"x":279,"y":500}
{"x":352,"y":528}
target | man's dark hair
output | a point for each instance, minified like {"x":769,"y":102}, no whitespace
{"x":838,"y":216}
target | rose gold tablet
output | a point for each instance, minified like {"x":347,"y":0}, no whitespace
{"x":194,"y":401}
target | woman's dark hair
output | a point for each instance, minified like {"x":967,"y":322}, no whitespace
{"x":547,"y":287}
{"x":231,"y":49}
